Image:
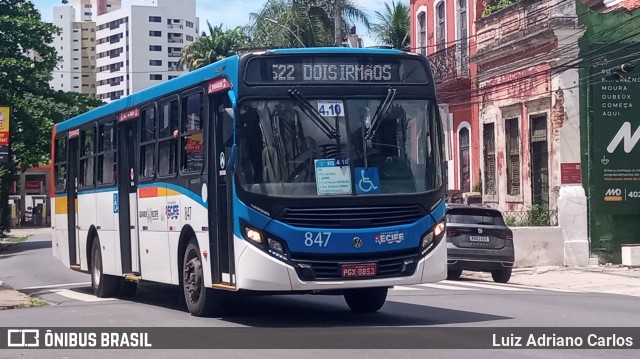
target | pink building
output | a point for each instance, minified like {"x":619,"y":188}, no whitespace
{"x":444,"y":31}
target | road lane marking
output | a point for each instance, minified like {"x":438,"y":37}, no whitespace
{"x":58,"y":285}
{"x":79,"y":296}
{"x":487,"y":286}
{"x":442,"y":286}
{"x":401,"y":287}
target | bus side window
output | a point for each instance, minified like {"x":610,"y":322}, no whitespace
{"x":87,"y":157}
{"x":61,"y":164}
{"x":168,"y":139}
{"x":192,"y":138}
{"x":106,"y":153}
{"x":148,"y":143}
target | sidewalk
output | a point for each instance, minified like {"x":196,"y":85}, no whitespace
{"x":612,"y":279}
{"x":10,"y":299}
{"x":21,"y":232}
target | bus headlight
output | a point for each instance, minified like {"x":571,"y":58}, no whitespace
{"x":432,"y":238}
{"x":253,"y":234}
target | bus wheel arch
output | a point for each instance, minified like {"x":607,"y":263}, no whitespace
{"x":186,"y":235}
{"x":91,"y":237}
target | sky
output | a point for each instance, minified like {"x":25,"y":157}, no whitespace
{"x":231,"y":13}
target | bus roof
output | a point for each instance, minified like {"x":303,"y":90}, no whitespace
{"x":230,"y":65}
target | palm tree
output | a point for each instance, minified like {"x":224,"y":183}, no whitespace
{"x":209,"y":48}
{"x":393,"y":27}
{"x":301,"y":23}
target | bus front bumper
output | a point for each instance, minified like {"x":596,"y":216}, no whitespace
{"x":257,"y":271}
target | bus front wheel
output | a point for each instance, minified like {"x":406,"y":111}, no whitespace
{"x":201,"y":301}
{"x":103,"y":285}
{"x":366,"y":300}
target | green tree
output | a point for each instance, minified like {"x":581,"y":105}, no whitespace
{"x":26,"y":63}
{"x":209,"y":48}
{"x":301,"y":23}
{"x":393,"y":25}
{"x":492,"y":6}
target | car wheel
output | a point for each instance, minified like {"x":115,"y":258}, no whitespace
{"x":103,"y":285}
{"x":366,"y":300}
{"x":502,"y":275}
{"x":453,"y":274}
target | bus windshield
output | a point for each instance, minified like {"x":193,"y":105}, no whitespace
{"x":305,"y":148}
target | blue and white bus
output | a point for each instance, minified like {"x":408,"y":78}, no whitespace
{"x":285,"y":171}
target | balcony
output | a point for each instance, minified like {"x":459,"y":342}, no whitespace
{"x":176,"y":41}
{"x":174,"y":54}
{"x":450,"y":64}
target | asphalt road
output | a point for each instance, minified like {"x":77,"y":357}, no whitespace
{"x":31,"y":268}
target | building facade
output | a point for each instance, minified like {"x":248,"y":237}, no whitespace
{"x":76,"y":44}
{"x":139,"y":46}
{"x":443,"y":31}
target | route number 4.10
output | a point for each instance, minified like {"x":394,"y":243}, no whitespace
{"x":320,"y":239}
{"x":331,"y":108}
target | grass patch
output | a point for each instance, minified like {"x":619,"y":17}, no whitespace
{"x":37,"y":302}
{"x":16,"y":239}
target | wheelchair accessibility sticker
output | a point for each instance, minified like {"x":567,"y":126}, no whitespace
{"x":367,"y":180}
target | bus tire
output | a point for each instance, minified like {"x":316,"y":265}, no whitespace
{"x":103,"y":285}
{"x":366,"y":300}
{"x":201,"y":301}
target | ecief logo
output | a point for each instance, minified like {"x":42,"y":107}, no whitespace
{"x":23,"y":338}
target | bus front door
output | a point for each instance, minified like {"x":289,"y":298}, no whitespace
{"x":221,"y":235}
{"x":72,"y":196}
{"x":128,"y":197}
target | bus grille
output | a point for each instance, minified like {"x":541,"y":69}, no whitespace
{"x":350,"y":217}
{"x":329,"y":270}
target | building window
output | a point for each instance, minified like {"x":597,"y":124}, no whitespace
{"x":512,"y":138}
{"x":465,"y":171}
{"x":189,"y":24}
{"x":462,"y":51}
{"x":155,"y":19}
{"x":189,"y":38}
{"x":440,"y":26}
{"x":489,"y":159}
{"x":155,"y":33}
{"x":155,"y":62}
{"x":155,"y":77}
{"x":155,"y":48}
{"x":422,"y":33}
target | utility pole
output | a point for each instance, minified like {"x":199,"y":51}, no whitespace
{"x":338,"y":22}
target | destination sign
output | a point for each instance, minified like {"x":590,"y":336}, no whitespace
{"x":328,"y":70}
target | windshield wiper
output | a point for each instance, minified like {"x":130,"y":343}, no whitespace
{"x":316,"y":117}
{"x":381,"y":112}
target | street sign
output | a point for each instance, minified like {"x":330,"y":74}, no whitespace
{"x":5,"y":138}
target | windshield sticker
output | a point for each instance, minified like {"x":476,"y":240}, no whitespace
{"x":331,"y":108}
{"x":367,"y":180}
{"x":332,"y":178}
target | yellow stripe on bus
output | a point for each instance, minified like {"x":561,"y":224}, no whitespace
{"x":61,"y":205}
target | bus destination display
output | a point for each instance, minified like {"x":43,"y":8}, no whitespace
{"x":297,"y":70}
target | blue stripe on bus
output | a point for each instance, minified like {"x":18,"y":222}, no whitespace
{"x":194,"y":196}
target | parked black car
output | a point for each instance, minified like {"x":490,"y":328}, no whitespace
{"x":478,"y":240}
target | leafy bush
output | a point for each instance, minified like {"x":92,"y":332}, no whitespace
{"x":538,"y":216}
{"x":492,"y":6}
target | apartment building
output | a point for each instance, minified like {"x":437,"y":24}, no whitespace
{"x":76,"y":44}
{"x":139,"y":46}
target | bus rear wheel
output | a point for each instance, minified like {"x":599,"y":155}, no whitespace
{"x":103,"y":285}
{"x":366,"y":300}
{"x":201,"y":301}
